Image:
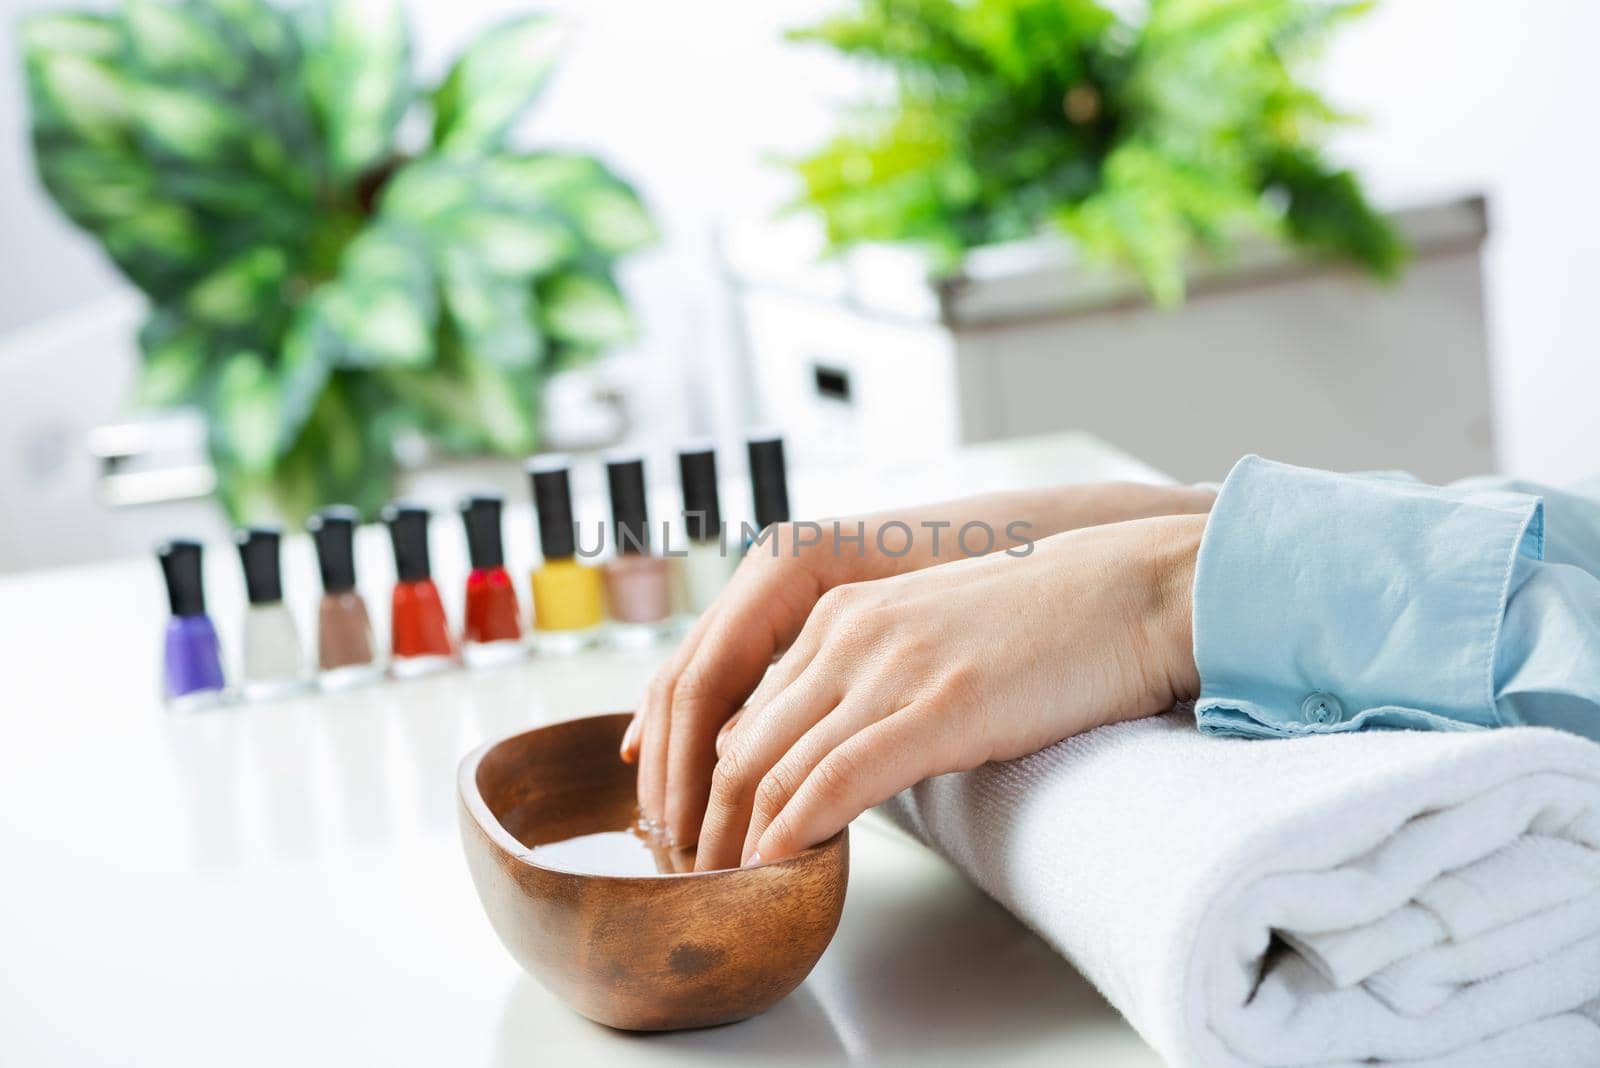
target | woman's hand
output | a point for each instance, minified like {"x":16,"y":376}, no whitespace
{"x":940,"y":670}
{"x":714,"y":670}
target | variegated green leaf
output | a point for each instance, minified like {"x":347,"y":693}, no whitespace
{"x":169,"y":39}
{"x":310,"y":350}
{"x":474,"y":404}
{"x":187,"y":123}
{"x":359,"y":80}
{"x":510,"y":244}
{"x":497,"y":77}
{"x":96,"y":36}
{"x":170,"y":231}
{"x":423,"y":191}
{"x":235,"y":293}
{"x":377,"y":325}
{"x":173,"y":369}
{"x":247,"y":410}
{"x":504,"y":404}
{"x":267,"y":28}
{"x":494,"y":315}
{"x":88,"y":96}
{"x":539,"y":178}
{"x":584,"y":310}
{"x":611,"y":217}
{"x":96,"y":188}
{"x":342,"y":454}
{"x":388,"y":255}
{"x":160,"y":247}
{"x":383,"y":306}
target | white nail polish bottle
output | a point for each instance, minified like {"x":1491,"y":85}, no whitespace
{"x":274,"y":660}
{"x":707,"y":564}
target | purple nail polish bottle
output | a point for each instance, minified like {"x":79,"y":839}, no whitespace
{"x":193,"y":657}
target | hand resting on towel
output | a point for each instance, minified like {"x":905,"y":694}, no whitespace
{"x":893,"y":670}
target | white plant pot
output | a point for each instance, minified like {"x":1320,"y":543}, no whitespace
{"x":1305,"y":362}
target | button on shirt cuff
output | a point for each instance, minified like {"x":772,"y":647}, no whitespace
{"x":1327,"y":602}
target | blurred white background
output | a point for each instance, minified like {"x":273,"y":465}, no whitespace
{"x":692,"y":101}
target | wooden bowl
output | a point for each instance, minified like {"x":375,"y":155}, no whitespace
{"x":644,"y":953}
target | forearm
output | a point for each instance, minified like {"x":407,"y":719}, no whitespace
{"x":930,"y":534}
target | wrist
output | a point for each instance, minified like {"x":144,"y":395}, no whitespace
{"x":1174,"y":549}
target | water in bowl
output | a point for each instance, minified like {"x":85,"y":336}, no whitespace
{"x":636,"y":850}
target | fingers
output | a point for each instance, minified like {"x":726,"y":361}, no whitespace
{"x":780,"y":777}
{"x":709,"y":677}
{"x":693,"y":764}
{"x":651,"y":786}
{"x":725,"y":668}
{"x":867,"y":769}
{"x":767,"y":734}
{"x":659,"y":692}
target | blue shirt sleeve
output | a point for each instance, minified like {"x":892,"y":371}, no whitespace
{"x":1327,"y":602}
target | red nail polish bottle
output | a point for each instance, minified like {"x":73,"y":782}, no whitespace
{"x":492,"y":632}
{"x":419,"y":632}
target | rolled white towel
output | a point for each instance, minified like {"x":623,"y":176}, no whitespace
{"x":1420,"y":899}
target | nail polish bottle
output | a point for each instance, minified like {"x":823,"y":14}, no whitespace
{"x":706,"y":565}
{"x":638,"y":591}
{"x":491,"y":633}
{"x":274,"y":662}
{"x":345,"y":655}
{"x":568,"y":601}
{"x":419,"y":633}
{"x":769,"y":482}
{"x":193,"y":676}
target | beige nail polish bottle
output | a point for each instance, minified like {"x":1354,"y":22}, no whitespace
{"x":638,"y":590}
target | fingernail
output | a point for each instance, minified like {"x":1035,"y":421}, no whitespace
{"x":751,"y":861}
{"x":630,"y":738}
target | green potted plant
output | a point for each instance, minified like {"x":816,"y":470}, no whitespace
{"x":1112,"y":216}
{"x":332,"y":255}
{"x":1142,"y":136}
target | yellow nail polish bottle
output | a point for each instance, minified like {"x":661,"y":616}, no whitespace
{"x":568,"y":601}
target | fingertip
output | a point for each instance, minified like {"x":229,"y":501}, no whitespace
{"x":772,"y":845}
{"x":788,"y":835}
{"x":629,"y":749}
{"x":724,"y":731}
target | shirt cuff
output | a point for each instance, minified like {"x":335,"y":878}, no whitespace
{"x":1327,"y":602}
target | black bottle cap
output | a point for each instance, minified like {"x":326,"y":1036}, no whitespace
{"x":408,"y":532}
{"x":552,"y":503}
{"x":769,"y":483}
{"x":258,"y":552}
{"x":334,"y":531}
{"x":630,"y":518}
{"x":180,"y":566}
{"x":702,"y":508}
{"x":481,"y":513}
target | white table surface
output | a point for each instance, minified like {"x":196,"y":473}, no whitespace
{"x":283,"y":883}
